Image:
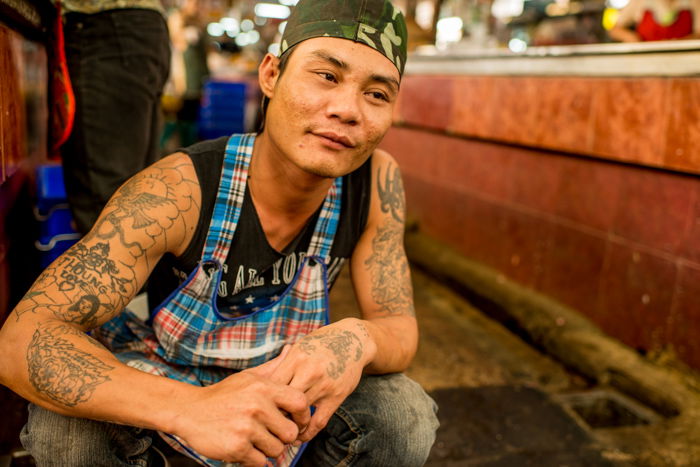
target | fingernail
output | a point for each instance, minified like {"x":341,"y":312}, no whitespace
{"x":297,"y":443}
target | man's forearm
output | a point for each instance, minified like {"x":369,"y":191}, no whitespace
{"x":57,"y":366}
{"x":395,"y":339}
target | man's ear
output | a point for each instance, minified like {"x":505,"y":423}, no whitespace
{"x":268,"y":72}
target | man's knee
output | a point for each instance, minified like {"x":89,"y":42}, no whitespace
{"x":51,"y":438}
{"x":56,"y":440}
{"x":400,"y":416}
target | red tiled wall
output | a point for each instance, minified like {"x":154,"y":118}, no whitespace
{"x":618,"y":242}
{"x":647,"y":121}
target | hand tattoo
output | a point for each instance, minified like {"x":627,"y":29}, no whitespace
{"x":340,"y":343}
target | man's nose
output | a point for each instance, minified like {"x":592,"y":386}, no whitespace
{"x":344,"y":104}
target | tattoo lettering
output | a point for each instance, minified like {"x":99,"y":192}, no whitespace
{"x":391,"y":194}
{"x":340,"y":343}
{"x":85,"y":267}
{"x":77,"y":279}
{"x":391,"y":279}
{"x":61,"y":371}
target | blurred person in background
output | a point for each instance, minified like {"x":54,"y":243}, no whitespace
{"x":657,"y":20}
{"x":189,"y":71}
{"x":118,"y":55}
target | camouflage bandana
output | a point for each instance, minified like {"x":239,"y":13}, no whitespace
{"x":376,"y":23}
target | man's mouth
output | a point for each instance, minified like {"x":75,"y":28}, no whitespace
{"x":335,"y":138}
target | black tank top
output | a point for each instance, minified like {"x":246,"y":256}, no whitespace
{"x":254,"y":272}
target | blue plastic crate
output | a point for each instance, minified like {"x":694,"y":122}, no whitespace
{"x":50,"y":188}
{"x":57,"y":221}
{"x":222,"y":109}
{"x":208,"y":114}
{"x":56,"y":232}
{"x":55,"y":247}
{"x":224,"y":88}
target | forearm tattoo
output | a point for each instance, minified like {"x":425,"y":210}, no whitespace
{"x":344,"y":345}
{"x":61,"y":371}
{"x":388,"y":266}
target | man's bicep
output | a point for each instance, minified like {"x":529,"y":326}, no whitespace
{"x":97,"y":277}
{"x":379,"y":266}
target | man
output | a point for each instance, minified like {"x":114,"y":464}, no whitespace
{"x":118,"y":56}
{"x":257,"y":227}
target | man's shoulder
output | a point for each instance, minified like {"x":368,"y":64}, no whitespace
{"x":380,"y":156}
{"x":380,"y":159}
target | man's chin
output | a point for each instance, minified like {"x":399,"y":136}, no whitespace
{"x":325,"y":172}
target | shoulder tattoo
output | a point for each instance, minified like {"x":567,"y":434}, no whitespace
{"x":391,"y":194}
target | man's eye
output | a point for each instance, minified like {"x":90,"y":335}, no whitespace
{"x":327,"y":76}
{"x":379,"y":95}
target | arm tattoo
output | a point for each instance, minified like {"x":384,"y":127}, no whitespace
{"x":77,"y":280}
{"x":340,"y":343}
{"x":61,"y":371}
{"x":86,"y":286}
{"x":391,"y":194}
{"x":147,"y":203}
{"x":391,"y":278}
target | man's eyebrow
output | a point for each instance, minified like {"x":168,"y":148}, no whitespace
{"x":388,"y":80}
{"x":328,"y":57}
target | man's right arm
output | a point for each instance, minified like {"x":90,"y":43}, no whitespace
{"x":48,"y":359}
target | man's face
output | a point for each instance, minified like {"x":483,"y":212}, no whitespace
{"x":332,"y":105}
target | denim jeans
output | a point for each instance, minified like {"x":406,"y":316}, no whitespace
{"x":118,"y":62}
{"x":387,"y":421}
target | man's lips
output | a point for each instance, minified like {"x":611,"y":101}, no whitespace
{"x":335,"y":137}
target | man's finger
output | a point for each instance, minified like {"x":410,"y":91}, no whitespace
{"x":281,"y":426}
{"x":268,"y":368}
{"x":295,"y":403}
{"x":268,"y":443}
{"x":318,"y":422}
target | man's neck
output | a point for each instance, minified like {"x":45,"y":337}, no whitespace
{"x":284,"y":195}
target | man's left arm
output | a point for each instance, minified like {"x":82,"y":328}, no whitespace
{"x":381,"y":276}
{"x":328,"y":363}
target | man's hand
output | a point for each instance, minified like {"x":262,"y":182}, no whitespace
{"x":327,"y":366}
{"x":245,"y":418}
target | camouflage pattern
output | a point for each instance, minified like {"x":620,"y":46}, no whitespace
{"x":376,"y":23}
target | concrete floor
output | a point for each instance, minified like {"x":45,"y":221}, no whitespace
{"x":494,"y":390}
